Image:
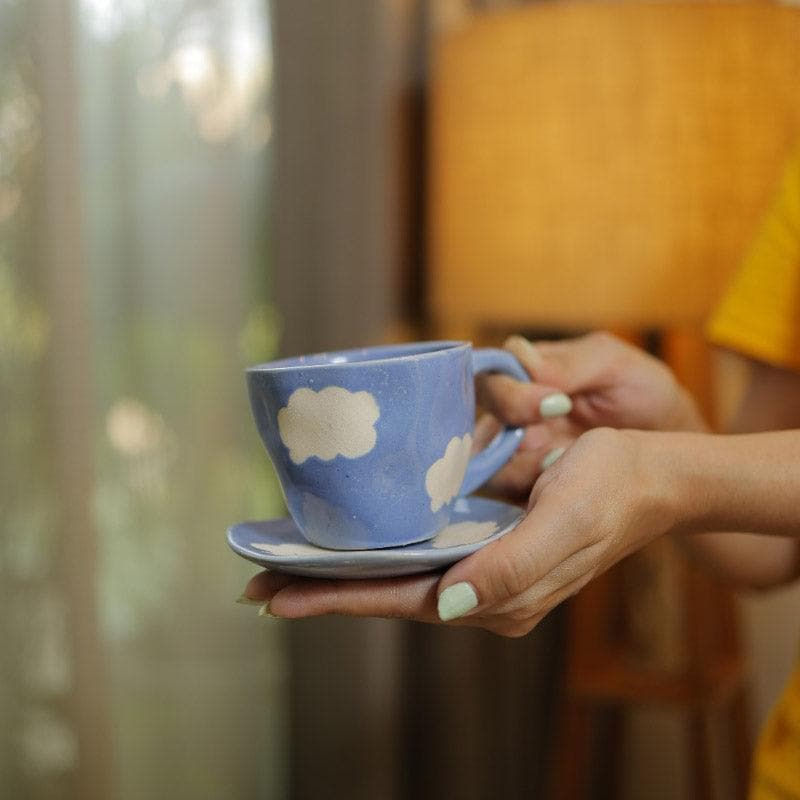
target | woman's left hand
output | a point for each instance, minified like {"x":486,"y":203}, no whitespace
{"x":610,"y":383}
{"x":599,"y":502}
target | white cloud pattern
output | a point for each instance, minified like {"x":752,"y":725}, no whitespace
{"x":444,"y":478}
{"x":468,"y":532}
{"x":329,"y":423}
{"x":287,"y":548}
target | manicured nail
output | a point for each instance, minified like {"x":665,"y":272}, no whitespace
{"x":525,"y":350}
{"x":264,"y":611}
{"x":552,"y":457}
{"x":555,"y":405}
{"x":248,"y":601}
{"x":456,"y":600}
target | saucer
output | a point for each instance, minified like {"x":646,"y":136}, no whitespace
{"x":279,"y":545}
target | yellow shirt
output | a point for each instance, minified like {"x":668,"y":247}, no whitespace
{"x":760,"y":313}
{"x":760,"y":317}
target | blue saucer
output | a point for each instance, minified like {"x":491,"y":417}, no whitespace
{"x":279,"y":545}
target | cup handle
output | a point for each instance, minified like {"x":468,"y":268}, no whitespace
{"x":483,"y":465}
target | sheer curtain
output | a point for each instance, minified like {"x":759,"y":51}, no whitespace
{"x":134,"y":288}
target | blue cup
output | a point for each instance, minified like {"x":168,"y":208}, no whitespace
{"x":372,"y":446}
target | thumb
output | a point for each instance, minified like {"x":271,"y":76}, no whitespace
{"x":507,"y":568}
{"x":519,"y":404}
{"x":558,"y":369}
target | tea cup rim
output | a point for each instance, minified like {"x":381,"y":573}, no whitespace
{"x":292,"y":363}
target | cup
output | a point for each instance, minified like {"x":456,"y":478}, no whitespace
{"x":372,"y":446}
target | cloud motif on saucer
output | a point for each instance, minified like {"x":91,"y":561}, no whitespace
{"x":469,"y":532}
{"x":329,"y":423}
{"x":444,"y":478}
{"x":287,"y":548}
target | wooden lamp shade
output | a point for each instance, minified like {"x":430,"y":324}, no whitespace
{"x":604,"y":162}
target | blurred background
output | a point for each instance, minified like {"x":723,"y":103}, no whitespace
{"x":191,"y":186}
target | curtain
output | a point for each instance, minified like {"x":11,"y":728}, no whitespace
{"x":134,"y":288}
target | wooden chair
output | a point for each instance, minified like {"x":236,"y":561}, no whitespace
{"x":603,"y":165}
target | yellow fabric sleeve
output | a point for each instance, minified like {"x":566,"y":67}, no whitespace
{"x":759,"y":315}
{"x":776,"y":766}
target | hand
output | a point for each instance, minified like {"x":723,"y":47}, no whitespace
{"x":610,"y":383}
{"x":601,"y":501}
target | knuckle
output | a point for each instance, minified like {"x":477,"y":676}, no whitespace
{"x":510,"y":575}
{"x":603,"y":339}
{"x":601,"y":437}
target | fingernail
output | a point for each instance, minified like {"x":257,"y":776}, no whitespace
{"x":555,"y":405}
{"x":264,"y":611}
{"x":552,"y":457}
{"x":248,"y":601}
{"x":456,"y":600}
{"x":526,"y":351}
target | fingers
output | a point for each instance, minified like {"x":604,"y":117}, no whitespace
{"x":573,"y":365}
{"x":543,"y":437}
{"x":539,"y":448}
{"x":517,"y":403}
{"x":412,"y":597}
{"x":538,"y":437}
{"x":512,"y":567}
{"x":557,"y":369}
{"x":521,"y":615}
{"x":571,"y":376}
{"x":265,"y":585}
{"x":515,"y":480}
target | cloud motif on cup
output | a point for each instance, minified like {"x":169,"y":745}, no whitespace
{"x":329,"y":423}
{"x":444,"y":478}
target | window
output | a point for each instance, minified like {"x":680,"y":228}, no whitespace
{"x":134,"y":289}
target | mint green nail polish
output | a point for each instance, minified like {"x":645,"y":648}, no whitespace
{"x":552,"y":457}
{"x":555,"y":405}
{"x":456,"y":600}
{"x":264,"y":611}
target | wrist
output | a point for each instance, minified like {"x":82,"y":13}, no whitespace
{"x":699,"y":482}
{"x":685,"y":416}
{"x":705,"y":482}
{"x":669,"y":486}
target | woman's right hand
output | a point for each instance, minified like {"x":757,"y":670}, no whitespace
{"x":587,"y":382}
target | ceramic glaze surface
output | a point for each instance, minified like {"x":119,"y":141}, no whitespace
{"x":372,"y":446}
{"x":329,"y":423}
{"x":279,"y":545}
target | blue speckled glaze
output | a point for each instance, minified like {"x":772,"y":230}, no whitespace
{"x":425,"y":396}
